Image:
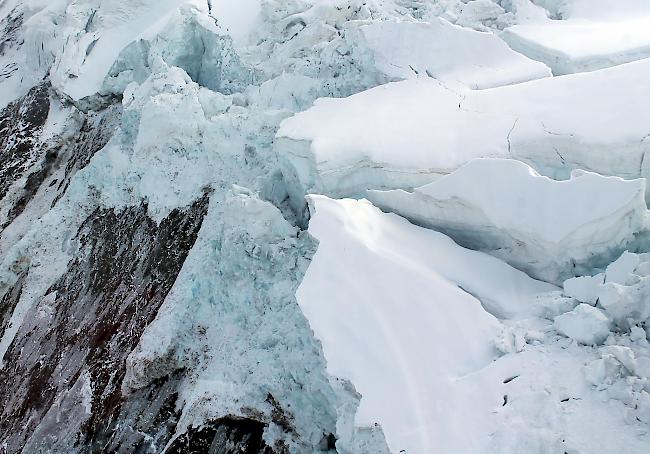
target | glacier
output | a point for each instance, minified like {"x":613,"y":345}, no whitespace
{"x":305,"y":226}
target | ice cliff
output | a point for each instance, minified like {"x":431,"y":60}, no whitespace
{"x":181,"y":271}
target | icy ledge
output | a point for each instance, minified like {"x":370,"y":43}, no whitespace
{"x":404,"y":134}
{"x":550,"y":229}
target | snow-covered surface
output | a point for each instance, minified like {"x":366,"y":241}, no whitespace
{"x":388,"y":302}
{"x":582,"y":45}
{"x":544,"y":226}
{"x":382,"y":324}
{"x":404,"y":134}
{"x":591,"y":35}
{"x":586,"y":324}
{"x":450,"y":53}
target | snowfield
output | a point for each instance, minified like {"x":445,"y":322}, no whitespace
{"x":307,"y":226}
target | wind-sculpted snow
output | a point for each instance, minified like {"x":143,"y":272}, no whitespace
{"x":405,"y":134}
{"x":550,"y":229}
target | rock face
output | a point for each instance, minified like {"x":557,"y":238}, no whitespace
{"x":21,"y":123}
{"x":87,"y":320}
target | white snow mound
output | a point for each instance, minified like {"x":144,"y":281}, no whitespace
{"x":586,"y":324}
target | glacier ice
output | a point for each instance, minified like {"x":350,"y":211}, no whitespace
{"x":241,"y":343}
{"x":551,"y":229}
{"x":586,"y":324}
{"x":158,"y":279}
{"x":447,"y":52}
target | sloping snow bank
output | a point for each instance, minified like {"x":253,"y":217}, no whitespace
{"x":551,"y":229}
{"x":404,"y":134}
{"x":450,"y":53}
{"x":389,"y":301}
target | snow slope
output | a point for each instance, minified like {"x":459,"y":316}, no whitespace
{"x":400,"y":317}
{"x":389,"y":302}
{"x":547,"y":228}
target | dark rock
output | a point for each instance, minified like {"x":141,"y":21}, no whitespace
{"x":97,"y":312}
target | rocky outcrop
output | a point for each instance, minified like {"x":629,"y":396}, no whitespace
{"x":70,"y":352}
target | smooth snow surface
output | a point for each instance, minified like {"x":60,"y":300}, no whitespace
{"x":399,"y":317}
{"x":388,"y":302}
{"x":591,"y":35}
{"x":544,"y":226}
